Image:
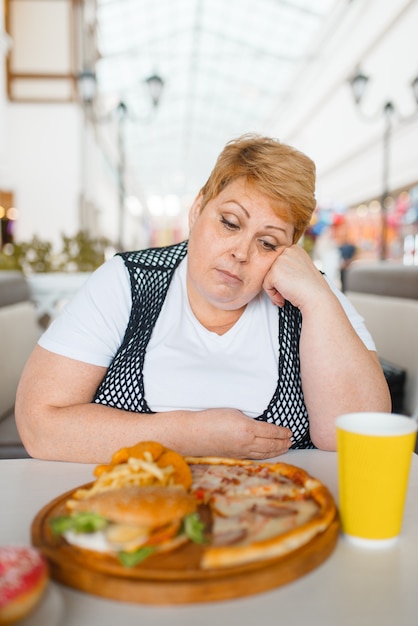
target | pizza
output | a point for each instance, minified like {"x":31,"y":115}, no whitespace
{"x":258,"y":510}
{"x":150,"y":499}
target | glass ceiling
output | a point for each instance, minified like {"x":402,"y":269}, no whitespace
{"x":226,"y":65}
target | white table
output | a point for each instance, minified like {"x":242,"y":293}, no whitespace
{"x":353,"y":587}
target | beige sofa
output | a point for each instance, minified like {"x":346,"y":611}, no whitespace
{"x":19,"y":332}
{"x":386,"y":295}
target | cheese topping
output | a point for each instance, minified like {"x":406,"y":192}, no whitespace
{"x":243,"y":480}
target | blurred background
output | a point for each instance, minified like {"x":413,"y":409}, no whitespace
{"x":112,"y":113}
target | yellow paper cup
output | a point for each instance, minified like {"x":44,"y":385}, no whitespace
{"x":374,"y":458}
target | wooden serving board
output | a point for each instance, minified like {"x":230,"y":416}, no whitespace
{"x":173,"y":578}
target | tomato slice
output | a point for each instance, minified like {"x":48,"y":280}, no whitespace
{"x":163,"y":534}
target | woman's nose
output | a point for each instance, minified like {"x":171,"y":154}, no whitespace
{"x":241,"y":251}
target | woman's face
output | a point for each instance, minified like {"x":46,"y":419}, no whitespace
{"x":233,"y":242}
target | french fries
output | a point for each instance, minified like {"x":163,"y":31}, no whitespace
{"x":146,"y":464}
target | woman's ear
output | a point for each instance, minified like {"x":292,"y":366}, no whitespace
{"x":195,"y":209}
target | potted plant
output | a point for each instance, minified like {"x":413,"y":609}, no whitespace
{"x":53,"y":277}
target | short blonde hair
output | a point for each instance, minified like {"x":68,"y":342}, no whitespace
{"x":284,"y":174}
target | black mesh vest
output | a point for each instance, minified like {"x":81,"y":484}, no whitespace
{"x":150,"y":273}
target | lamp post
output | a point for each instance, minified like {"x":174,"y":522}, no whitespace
{"x":388,"y":111}
{"x":122,"y":112}
{"x":87,"y":88}
{"x":358,"y":85}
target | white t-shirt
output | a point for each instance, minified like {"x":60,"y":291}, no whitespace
{"x":186,"y":366}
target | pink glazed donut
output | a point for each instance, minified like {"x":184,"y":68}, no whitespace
{"x":23,"y":579}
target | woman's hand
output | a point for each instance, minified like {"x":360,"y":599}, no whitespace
{"x":294,"y":277}
{"x":230,"y":433}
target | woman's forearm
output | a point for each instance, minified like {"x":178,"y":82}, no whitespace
{"x":91,"y":433}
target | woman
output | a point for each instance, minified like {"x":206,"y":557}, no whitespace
{"x":185,"y":344}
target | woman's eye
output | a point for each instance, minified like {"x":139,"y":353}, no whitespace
{"x":228,"y":224}
{"x":267,"y":245}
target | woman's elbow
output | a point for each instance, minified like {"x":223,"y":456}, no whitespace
{"x":324,"y":433}
{"x":28,"y":428}
{"x":324,"y":441}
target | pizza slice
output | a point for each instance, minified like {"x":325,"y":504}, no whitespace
{"x":259,"y":510}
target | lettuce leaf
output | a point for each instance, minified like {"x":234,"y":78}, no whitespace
{"x":194,"y":528}
{"x":130,"y":559}
{"x":83,"y":522}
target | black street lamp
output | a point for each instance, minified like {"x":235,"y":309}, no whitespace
{"x":358,"y":84}
{"x":87,"y":85}
{"x":155,"y":85}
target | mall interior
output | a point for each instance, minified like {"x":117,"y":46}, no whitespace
{"x":112,"y":114}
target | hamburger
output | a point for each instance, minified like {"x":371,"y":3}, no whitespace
{"x":132,"y":522}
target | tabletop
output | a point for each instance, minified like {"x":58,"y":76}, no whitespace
{"x":365,"y":587}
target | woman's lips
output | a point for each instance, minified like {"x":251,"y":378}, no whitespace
{"x":229,"y":276}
